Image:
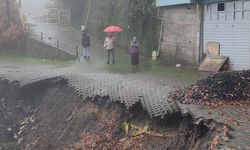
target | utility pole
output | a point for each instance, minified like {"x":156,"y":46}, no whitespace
{"x":20,"y":2}
{"x":87,"y":18}
{"x":8,"y":10}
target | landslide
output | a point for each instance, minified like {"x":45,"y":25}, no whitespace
{"x":49,"y":115}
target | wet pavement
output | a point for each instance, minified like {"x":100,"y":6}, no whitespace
{"x":148,"y":85}
{"x":42,"y":18}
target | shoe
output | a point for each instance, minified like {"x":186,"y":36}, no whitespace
{"x":87,"y":57}
{"x":107,"y":62}
{"x":84,"y":57}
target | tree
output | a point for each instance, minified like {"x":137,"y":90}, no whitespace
{"x":141,"y":16}
{"x":12,"y":31}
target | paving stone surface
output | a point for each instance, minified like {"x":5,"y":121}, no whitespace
{"x":237,"y":118}
{"x":127,"y":88}
{"x":148,"y":85}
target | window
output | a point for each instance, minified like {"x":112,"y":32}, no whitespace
{"x":221,"y":7}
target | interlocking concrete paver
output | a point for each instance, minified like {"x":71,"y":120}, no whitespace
{"x":236,"y":117}
{"x":148,"y":86}
{"x":88,"y":81}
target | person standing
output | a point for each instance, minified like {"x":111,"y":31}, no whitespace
{"x":85,"y":45}
{"x":134,"y":51}
{"x":109,"y":46}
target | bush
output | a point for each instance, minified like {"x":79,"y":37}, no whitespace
{"x":13,"y":32}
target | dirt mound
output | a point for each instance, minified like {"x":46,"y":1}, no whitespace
{"x":224,"y":87}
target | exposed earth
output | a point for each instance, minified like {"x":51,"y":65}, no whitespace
{"x":232,"y":87}
{"x":66,"y":111}
{"x":49,"y":115}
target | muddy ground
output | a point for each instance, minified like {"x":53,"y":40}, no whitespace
{"x":49,"y":115}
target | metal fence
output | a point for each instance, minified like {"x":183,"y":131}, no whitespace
{"x":63,"y":44}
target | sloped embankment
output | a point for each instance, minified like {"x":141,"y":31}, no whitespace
{"x":49,"y":115}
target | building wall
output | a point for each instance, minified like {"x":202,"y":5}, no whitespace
{"x":231,"y":28}
{"x":181,"y":30}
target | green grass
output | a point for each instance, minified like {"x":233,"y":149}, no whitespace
{"x":31,"y":60}
{"x":123,"y":65}
{"x":147,"y":66}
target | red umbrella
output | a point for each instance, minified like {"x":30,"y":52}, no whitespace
{"x":113,"y":29}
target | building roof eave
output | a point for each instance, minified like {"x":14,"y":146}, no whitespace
{"x":214,"y":1}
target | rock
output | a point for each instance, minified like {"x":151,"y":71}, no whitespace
{"x":32,"y":120}
{"x":177,"y":65}
{"x":28,"y":120}
{"x":22,"y":129}
{"x":9,"y":129}
{"x":15,"y":136}
{"x":34,"y":128}
{"x":70,"y":118}
{"x":2,"y":105}
{"x":20,"y":141}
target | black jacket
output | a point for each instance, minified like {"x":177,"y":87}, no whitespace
{"x":85,"y":40}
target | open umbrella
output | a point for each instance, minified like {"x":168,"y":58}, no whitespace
{"x":113,"y":29}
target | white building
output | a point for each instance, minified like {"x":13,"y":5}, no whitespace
{"x":228,"y":23}
{"x":224,"y":21}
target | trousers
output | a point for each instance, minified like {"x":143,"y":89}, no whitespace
{"x":85,"y":53}
{"x":111,"y":52}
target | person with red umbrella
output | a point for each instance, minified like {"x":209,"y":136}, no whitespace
{"x":110,"y":41}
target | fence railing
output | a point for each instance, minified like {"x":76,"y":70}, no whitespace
{"x":65,"y":45}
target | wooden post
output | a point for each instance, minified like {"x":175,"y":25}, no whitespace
{"x":69,"y":14}
{"x":57,"y":43}
{"x":8,"y":9}
{"x":76,"y":51}
{"x":41,"y":35}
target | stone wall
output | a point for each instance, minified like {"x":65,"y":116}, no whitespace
{"x":35,"y":48}
{"x":181,"y":32}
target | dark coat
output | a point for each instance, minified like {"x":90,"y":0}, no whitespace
{"x":85,"y":40}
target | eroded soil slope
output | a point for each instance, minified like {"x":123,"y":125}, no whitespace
{"x":49,"y":115}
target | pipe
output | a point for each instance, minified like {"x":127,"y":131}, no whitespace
{"x":69,"y":16}
{"x":159,"y":46}
{"x":87,"y":18}
{"x":201,"y":48}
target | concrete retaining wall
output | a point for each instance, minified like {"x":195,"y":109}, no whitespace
{"x":35,"y":48}
{"x":181,"y":30}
